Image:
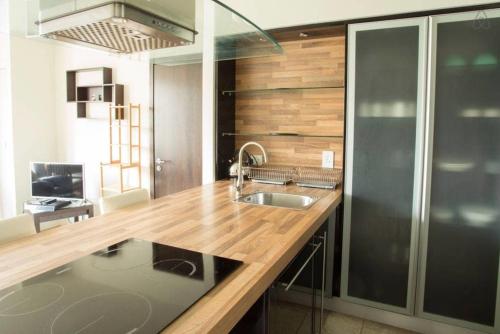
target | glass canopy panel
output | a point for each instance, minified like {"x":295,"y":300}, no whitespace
{"x":234,"y":35}
{"x":237,"y":37}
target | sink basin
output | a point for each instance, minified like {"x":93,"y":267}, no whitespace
{"x":282,"y":200}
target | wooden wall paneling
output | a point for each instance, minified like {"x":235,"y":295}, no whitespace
{"x":305,"y":63}
{"x":318,"y":112}
{"x":296,"y":151}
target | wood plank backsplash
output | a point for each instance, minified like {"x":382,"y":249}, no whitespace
{"x":305,"y":63}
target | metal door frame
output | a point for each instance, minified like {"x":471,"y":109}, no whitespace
{"x":427,"y":180}
{"x":422,"y":23}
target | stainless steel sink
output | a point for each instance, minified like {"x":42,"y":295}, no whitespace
{"x":283,"y":200}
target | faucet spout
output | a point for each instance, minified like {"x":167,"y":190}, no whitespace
{"x":240,"y":180}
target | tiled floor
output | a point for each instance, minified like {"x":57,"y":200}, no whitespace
{"x":292,"y":318}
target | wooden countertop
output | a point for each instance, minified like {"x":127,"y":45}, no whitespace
{"x":203,"y":219}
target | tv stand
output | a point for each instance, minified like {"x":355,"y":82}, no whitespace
{"x":74,"y":210}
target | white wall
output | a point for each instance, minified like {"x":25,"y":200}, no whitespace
{"x":270,"y":14}
{"x":208,"y":102}
{"x":45,"y":127}
{"x":86,"y":139}
{"x":7,"y":184}
{"x":27,"y":116}
{"x":33,"y":115}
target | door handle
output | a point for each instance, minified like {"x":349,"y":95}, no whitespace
{"x":160,"y":162}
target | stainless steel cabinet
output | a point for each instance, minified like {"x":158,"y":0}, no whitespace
{"x":423,"y":166}
{"x":385,"y":117}
{"x":458,"y":281}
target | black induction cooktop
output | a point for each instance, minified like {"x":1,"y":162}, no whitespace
{"x":134,"y":286}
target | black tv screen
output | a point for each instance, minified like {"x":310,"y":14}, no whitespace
{"x":57,"y":180}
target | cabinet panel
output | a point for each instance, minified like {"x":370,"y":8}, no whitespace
{"x":462,"y":213}
{"x":385,"y":118}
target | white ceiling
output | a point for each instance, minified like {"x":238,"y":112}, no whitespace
{"x":285,"y":13}
{"x":282,"y":13}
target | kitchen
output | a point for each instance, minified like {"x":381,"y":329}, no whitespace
{"x":364,"y":200}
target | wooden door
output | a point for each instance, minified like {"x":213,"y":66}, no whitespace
{"x":177,"y":128}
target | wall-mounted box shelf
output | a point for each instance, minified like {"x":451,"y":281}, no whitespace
{"x":100,"y":90}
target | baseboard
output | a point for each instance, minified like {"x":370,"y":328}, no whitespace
{"x":389,"y":318}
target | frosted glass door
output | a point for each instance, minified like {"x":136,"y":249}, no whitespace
{"x":462,"y":226}
{"x":386,"y":85}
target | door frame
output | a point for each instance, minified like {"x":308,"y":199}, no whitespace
{"x":422,"y":23}
{"x":427,"y":176}
{"x":152,"y":174}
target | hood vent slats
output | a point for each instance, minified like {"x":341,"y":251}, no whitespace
{"x":116,"y":27}
{"x":111,"y":36}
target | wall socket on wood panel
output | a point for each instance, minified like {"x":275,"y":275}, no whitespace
{"x":328,"y":160}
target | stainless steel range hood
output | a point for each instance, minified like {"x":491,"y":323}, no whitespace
{"x":129,"y":26}
{"x":118,"y":27}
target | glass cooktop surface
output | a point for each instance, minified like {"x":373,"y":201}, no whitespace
{"x":134,"y":286}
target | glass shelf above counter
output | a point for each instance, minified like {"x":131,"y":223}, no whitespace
{"x":277,"y":134}
{"x":278,"y":90}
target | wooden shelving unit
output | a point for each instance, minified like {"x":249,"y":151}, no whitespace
{"x":102,"y":91}
{"x":116,"y":147}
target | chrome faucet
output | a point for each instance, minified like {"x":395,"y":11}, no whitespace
{"x":239,"y":181}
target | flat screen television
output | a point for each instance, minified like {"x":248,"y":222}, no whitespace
{"x":57,"y":180}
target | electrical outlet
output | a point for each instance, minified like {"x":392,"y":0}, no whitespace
{"x":328,"y":159}
{"x":258,"y":159}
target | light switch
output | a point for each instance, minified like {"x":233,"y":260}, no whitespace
{"x":328,"y":159}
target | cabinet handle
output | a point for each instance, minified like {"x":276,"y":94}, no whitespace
{"x":306,"y":262}
{"x":322,"y":237}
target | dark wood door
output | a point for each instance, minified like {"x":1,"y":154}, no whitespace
{"x":177,"y":128}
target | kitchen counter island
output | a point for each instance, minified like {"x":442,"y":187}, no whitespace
{"x":203,"y":219}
